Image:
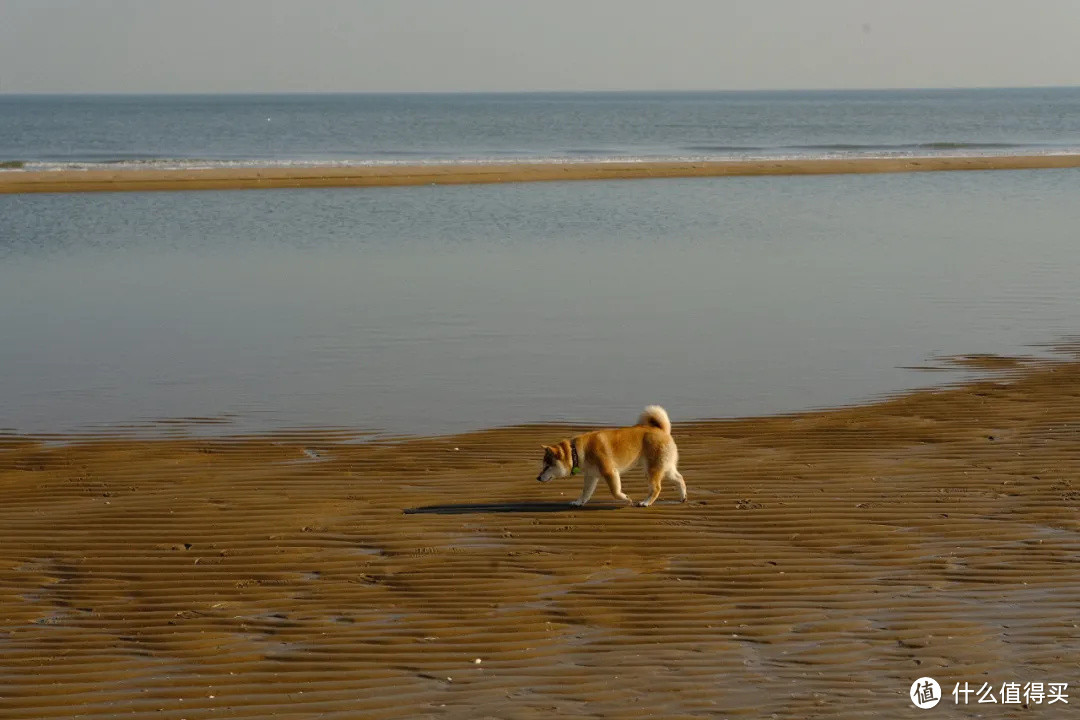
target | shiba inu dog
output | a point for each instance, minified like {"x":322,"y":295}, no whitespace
{"x":607,"y":453}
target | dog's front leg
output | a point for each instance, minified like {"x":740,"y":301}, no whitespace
{"x":615,"y":485}
{"x":586,"y":491}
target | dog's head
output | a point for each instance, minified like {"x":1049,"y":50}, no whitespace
{"x":556,"y":464}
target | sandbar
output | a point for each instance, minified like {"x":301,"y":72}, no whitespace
{"x":141,"y":179}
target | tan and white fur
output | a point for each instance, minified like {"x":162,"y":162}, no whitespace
{"x":606,"y":454}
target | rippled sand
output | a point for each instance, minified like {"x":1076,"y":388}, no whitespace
{"x":142,"y":179}
{"x":824,"y":562}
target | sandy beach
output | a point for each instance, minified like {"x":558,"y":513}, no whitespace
{"x":19,"y":181}
{"x":824,"y":561}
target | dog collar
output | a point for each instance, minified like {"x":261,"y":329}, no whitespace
{"x":574,"y":466}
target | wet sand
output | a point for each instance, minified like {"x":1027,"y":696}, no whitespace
{"x":19,"y":181}
{"x":824,"y":561}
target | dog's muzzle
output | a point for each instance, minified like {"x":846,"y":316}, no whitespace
{"x":540,"y":478}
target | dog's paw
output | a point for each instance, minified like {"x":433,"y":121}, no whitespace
{"x":577,"y":503}
{"x":643,"y":503}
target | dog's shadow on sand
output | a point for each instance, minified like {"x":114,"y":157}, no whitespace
{"x":519,"y":507}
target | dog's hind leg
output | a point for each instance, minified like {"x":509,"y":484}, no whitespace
{"x":678,"y":478}
{"x":586,"y":490}
{"x":614,"y":483}
{"x":656,"y":475}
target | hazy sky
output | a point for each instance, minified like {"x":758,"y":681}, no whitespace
{"x":477,"y":45}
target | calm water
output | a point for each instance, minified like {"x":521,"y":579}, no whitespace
{"x":436,"y":309}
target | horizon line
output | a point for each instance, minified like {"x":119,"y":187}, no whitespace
{"x":613,"y":91}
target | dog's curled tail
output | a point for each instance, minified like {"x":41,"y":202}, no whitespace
{"x":656,"y":416}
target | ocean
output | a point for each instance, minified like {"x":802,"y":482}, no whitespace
{"x":46,"y":132}
{"x":441,"y":309}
